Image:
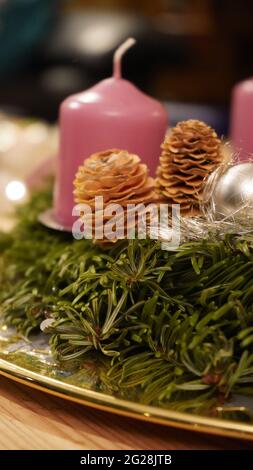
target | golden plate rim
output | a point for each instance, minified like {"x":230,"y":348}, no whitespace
{"x":111,"y":404}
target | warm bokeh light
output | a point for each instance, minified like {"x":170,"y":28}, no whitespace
{"x":15,"y":190}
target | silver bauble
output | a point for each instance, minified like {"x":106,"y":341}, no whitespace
{"x":233,"y":192}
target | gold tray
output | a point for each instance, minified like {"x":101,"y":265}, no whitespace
{"x":30,"y":363}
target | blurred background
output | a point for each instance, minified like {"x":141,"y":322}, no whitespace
{"x":189,"y":52}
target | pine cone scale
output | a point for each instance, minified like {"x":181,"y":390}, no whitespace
{"x":120,"y":178}
{"x":190,"y":152}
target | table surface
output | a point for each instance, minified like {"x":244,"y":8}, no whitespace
{"x":32,"y":420}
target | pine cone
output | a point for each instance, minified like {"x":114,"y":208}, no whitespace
{"x":189,"y":153}
{"x":118,"y":176}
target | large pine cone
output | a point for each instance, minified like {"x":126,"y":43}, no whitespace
{"x":118,"y":176}
{"x":190,"y":152}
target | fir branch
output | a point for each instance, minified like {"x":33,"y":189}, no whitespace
{"x":174,"y":329}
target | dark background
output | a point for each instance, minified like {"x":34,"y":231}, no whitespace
{"x":189,"y":53}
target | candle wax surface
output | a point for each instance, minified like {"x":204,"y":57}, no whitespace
{"x":242,"y":119}
{"x":112,"y":114}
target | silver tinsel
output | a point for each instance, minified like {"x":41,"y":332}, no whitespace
{"x":226,"y":206}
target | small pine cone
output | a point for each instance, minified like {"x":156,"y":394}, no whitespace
{"x":190,"y":152}
{"x":119,"y":177}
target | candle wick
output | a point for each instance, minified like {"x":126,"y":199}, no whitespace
{"x":119,"y":54}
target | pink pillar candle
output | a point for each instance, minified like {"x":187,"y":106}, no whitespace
{"x":242,"y":119}
{"x":111,"y":114}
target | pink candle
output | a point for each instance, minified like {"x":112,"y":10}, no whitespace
{"x":242,"y":119}
{"x":111,"y":114}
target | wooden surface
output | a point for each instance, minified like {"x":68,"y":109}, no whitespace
{"x":33,"y":420}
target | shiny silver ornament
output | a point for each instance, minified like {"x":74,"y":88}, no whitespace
{"x":233,"y":191}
